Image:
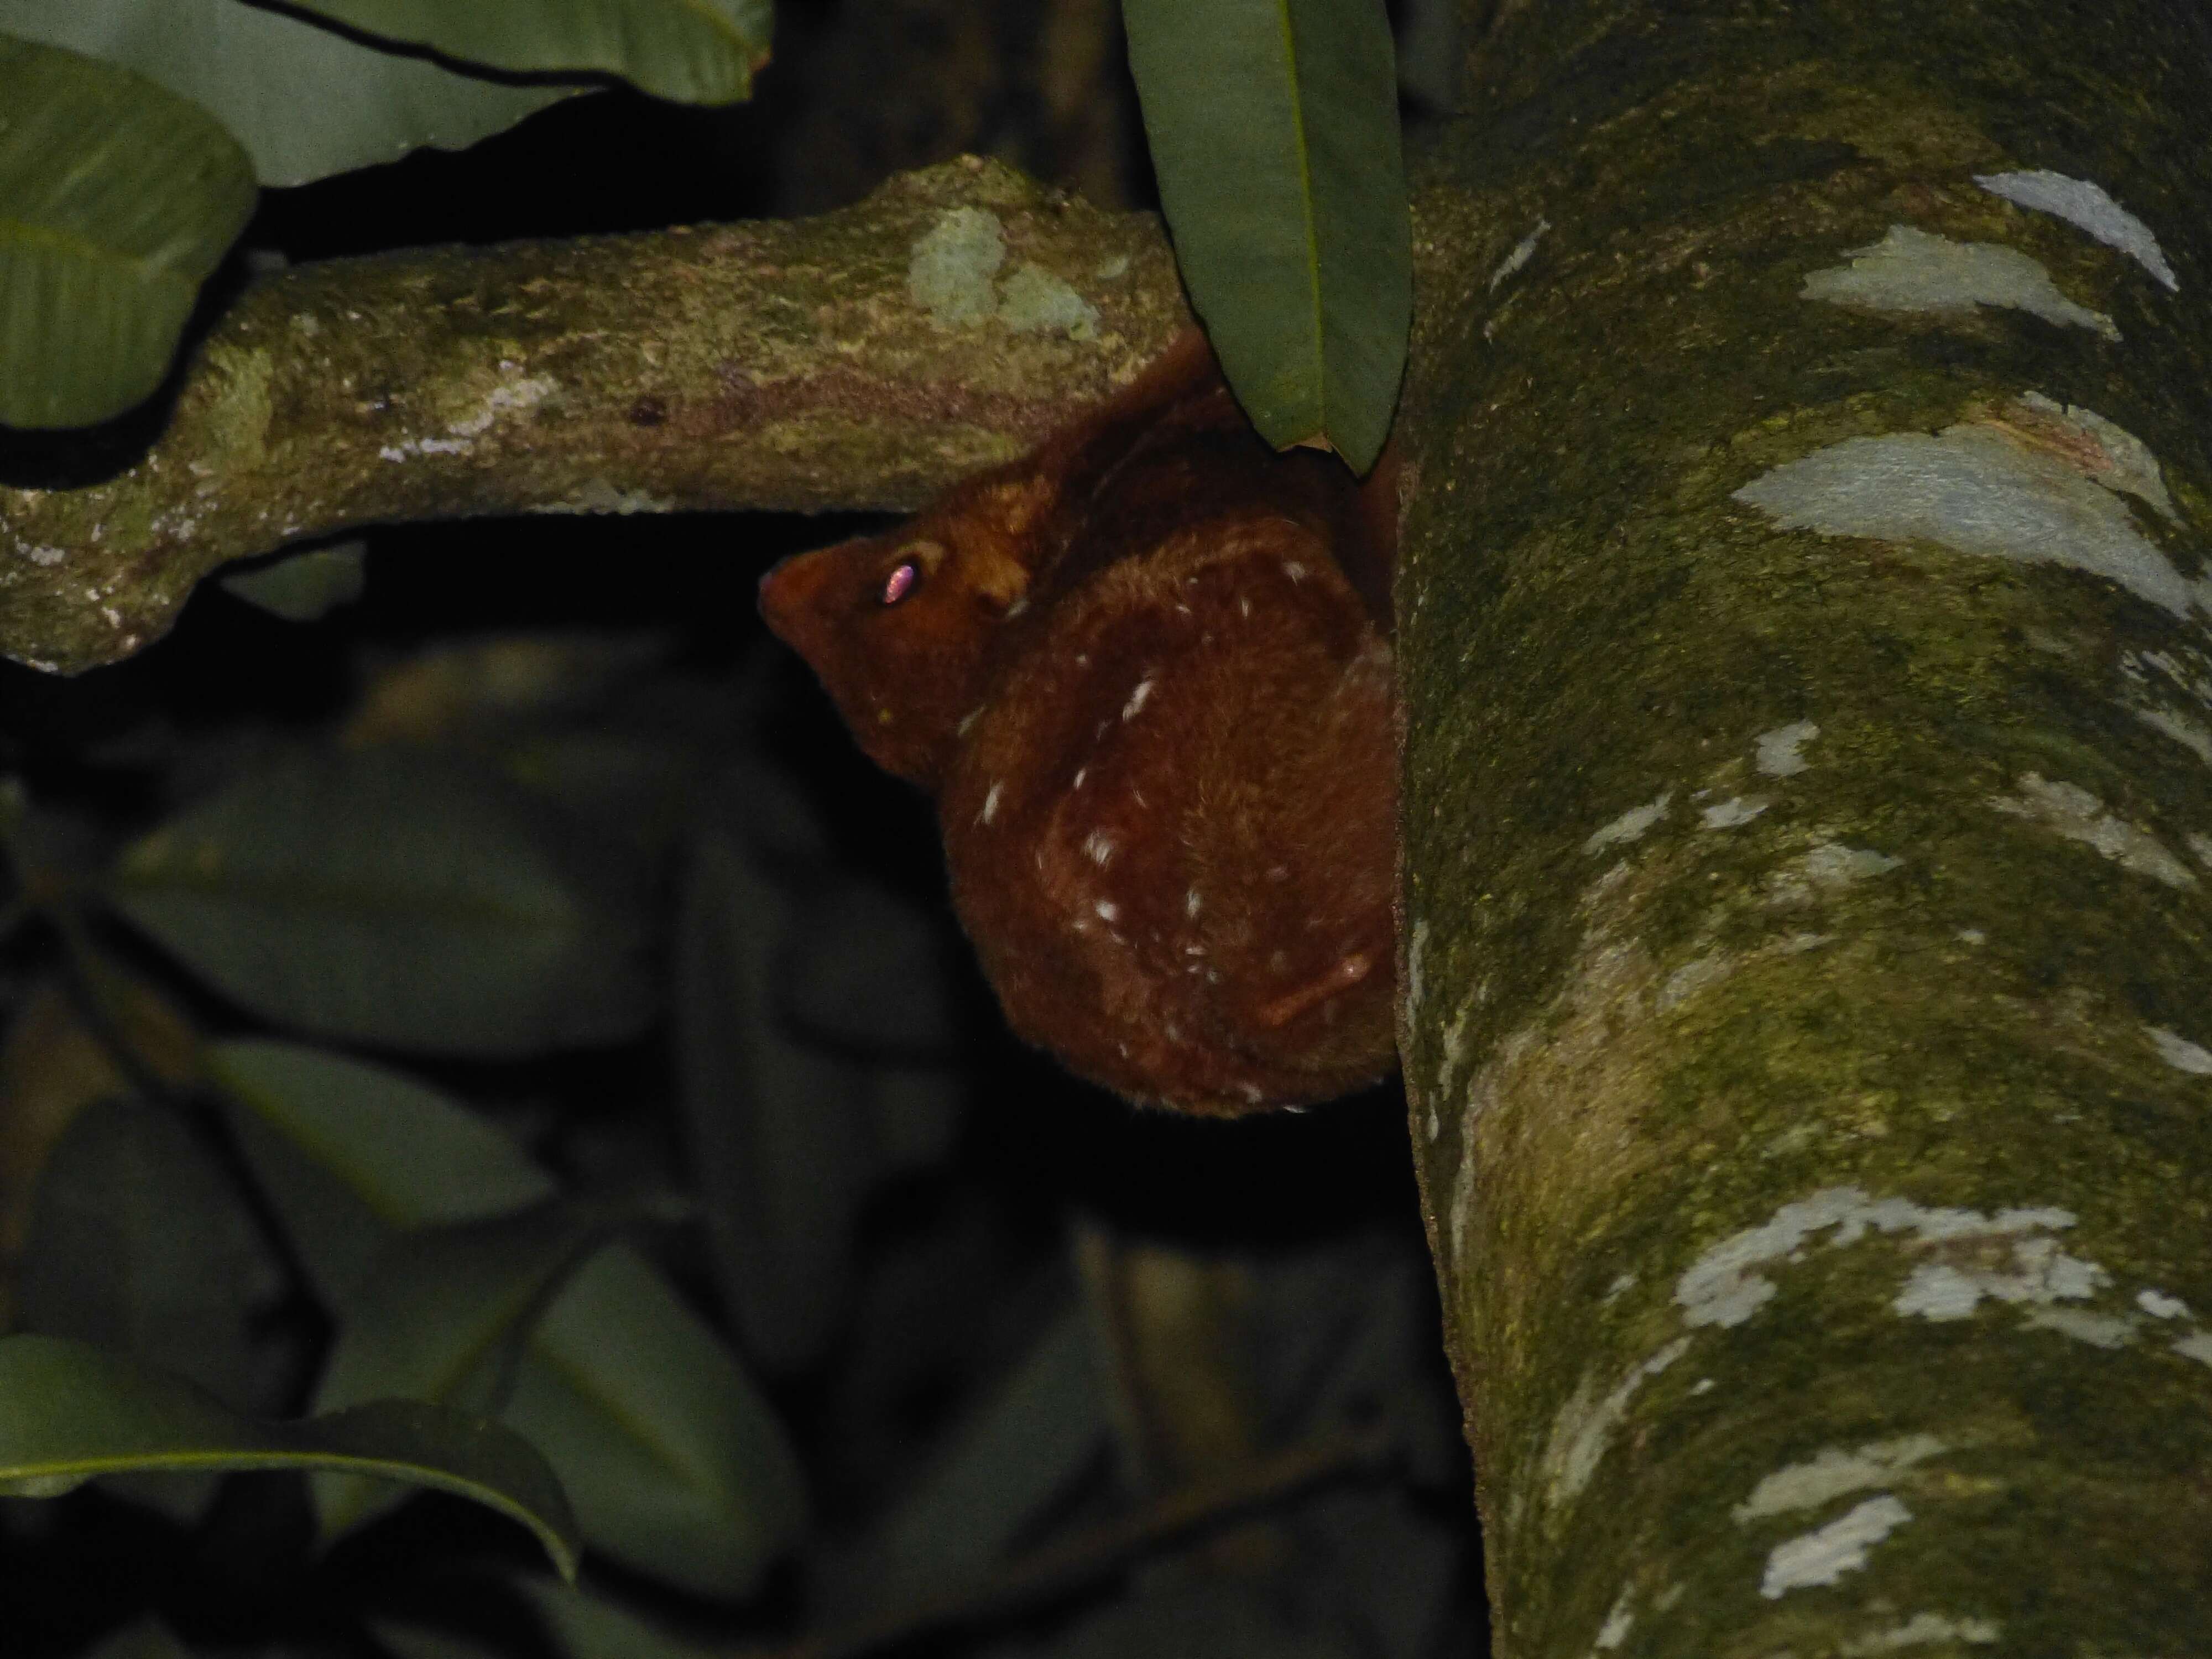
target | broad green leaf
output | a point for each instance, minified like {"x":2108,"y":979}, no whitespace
{"x":69,"y":1412}
{"x":1026,"y":1447}
{"x":391,"y":898}
{"x":585,"y":1626}
{"x":303,"y":587}
{"x":778,"y":1130}
{"x":116,"y":201}
{"x":148,"y":1639}
{"x":304,"y":101}
{"x":696,"y":51}
{"x":442,"y":1314}
{"x":1273,"y":127}
{"x":141,"y":1243}
{"x":674,"y":1460}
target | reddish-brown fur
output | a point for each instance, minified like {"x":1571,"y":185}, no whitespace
{"x":1145,"y":671}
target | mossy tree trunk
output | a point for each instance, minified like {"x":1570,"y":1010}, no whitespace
{"x":1808,"y":849}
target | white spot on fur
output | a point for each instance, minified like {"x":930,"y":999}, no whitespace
{"x":1775,"y":751}
{"x":991,"y":798}
{"x":1294,"y":570}
{"x":1912,"y":270}
{"x":1138,"y":698}
{"x":1098,"y":846}
{"x":2086,"y":206}
{"x":1192,"y":903}
{"x":2077,"y":815}
{"x":1107,"y":910}
{"x":1823,"y":1557}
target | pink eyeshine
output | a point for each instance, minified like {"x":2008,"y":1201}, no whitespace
{"x":899,"y":582}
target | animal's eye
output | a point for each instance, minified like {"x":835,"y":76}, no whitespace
{"x":901,"y":583}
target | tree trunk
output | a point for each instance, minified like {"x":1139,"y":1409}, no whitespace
{"x":1808,"y":845}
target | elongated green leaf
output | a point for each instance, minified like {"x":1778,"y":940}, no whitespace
{"x":304,"y":587}
{"x":777,"y":1129}
{"x":386,"y":898}
{"x":697,"y":52}
{"x":116,"y":201}
{"x":142,"y":1244}
{"x":304,"y":101}
{"x":418,"y":1641}
{"x":69,"y":1412}
{"x":441,"y":1314}
{"x":1273,"y":126}
{"x":674,"y":1460}
{"x":585,"y":1626}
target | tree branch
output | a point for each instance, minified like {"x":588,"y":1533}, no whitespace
{"x":863,"y":359}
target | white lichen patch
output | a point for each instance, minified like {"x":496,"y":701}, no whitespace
{"x":1621,"y":1286}
{"x":602,"y":496}
{"x":1776,"y":753}
{"x":949,"y":272}
{"x":1833,"y":1472}
{"x":2087,"y":207}
{"x":2179,"y":1052}
{"x":2158,"y":1305}
{"x":1617,"y":1622}
{"x":1737,"y":809}
{"x":2183,"y":730}
{"x":1912,"y":270}
{"x":2197,"y":1346}
{"x":2106,"y":451}
{"x":2072,"y":811}
{"x":1823,"y":1557}
{"x":1827,"y":869}
{"x":44,"y":557}
{"x":2201,"y":844}
{"x":1630,"y":825}
{"x":512,"y":396}
{"x":1523,"y":251}
{"x":2098,"y":1330}
{"x":1979,"y":489}
{"x":953,"y":270}
{"x":1725,"y":1287}
{"x":1919,"y":1631}
{"x":1034,"y":301}
{"x":2034,"y":1270}
{"x":1692,"y":977}
{"x":1586,"y":1425}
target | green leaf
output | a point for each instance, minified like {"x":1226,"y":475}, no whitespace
{"x":674,"y":1460}
{"x":148,"y":1639}
{"x":69,"y":1412}
{"x":304,"y":101}
{"x":1273,"y":126}
{"x":585,"y":1626}
{"x":116,"y":201}
{"x":777,"y":1129}
{"x":304,"y":587}
{"x":1025,"y":1447}
{"x":389,"y":898}
{"x":441,"y":1316}
{"x":140,"y":1243}
{"x":696,"y":51}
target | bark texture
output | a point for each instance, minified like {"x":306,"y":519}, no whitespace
{"x":1809,"y":836}
{"x":863,"y":359}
